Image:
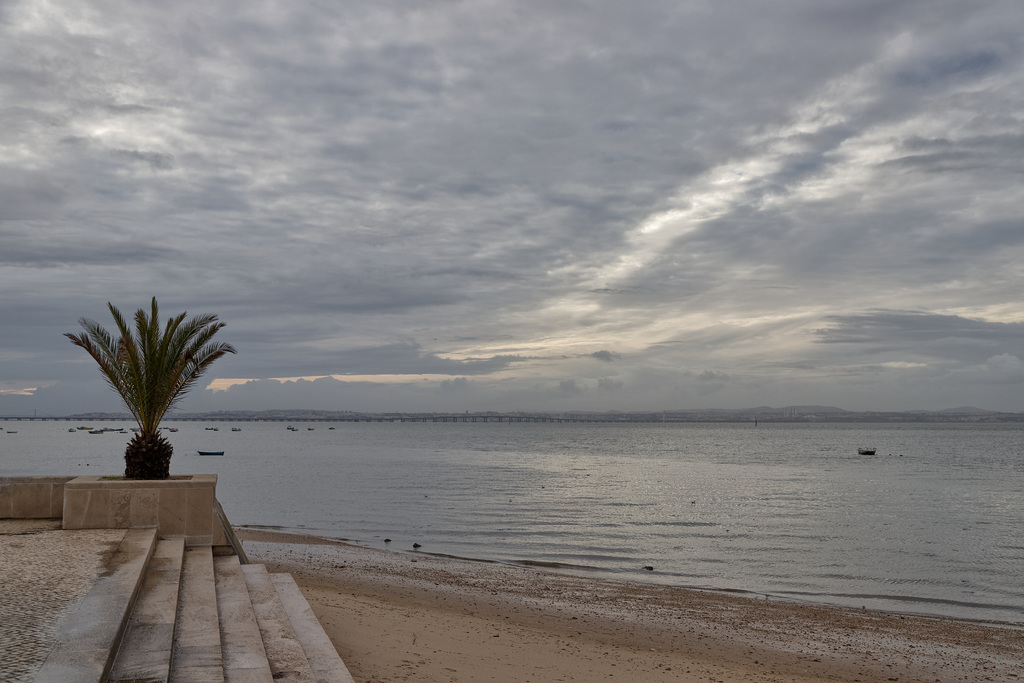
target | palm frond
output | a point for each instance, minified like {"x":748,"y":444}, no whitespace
{"x":152,"y":369}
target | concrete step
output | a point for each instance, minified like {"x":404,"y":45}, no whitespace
{"x":197,"y":656}
{"x":245,"y":658}
{"x":87,"y":638}
{"x":145,"y":651}
{"x":285,"y":655}
{"x":165,"y":613}
{"x":323,"y":658}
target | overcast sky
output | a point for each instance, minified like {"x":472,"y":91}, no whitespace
{"x":547,"y":205}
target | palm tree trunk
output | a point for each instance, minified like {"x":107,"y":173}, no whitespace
{"x":148,"y":456}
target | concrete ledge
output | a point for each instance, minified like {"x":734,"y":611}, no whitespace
{"x":197,"y":657}
{"x":87,"y":638}
{"x":179,"y":507}
{"x":323,"y":658}
{"x":145,"y":650}
{"x":32,"y":497}
{"x":284,"y":652}
{"x":245,"y":658}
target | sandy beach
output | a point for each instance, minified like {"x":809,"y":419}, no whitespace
{"x":397,"y":616}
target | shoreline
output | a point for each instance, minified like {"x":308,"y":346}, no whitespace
{"x":586,"y":573}
{"x":407,"y":616}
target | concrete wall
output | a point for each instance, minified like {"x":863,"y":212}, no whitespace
{"x":180,"y":507}
{"x":32,"y":497}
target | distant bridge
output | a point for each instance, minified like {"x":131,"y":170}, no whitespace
{"x":439,"y":417}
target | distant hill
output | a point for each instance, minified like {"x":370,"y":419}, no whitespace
{"x":761,"y":414}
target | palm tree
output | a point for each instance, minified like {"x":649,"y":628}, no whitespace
{"x":152,"y":372}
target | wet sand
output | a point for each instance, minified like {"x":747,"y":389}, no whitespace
{"x":413,"y":617}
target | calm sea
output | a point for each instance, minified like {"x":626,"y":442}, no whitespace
{"x":933,"y":524}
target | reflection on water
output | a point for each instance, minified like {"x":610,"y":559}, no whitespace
{"x":931,"y":524}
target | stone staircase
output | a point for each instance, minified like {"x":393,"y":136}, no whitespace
{"x":167,"y":612}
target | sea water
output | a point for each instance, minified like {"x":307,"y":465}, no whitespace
{"x":933,"y":524}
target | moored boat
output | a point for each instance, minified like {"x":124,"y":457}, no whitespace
{"x":866,"y":451}
{"x":210,"y":452}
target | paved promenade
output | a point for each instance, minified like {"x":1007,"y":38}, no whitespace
{"x":45,"y":573}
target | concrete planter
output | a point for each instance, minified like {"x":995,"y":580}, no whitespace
{"x":179,"y":507}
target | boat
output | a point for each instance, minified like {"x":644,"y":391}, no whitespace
{"x":236,"y":429}
{"x":866,"y":451}
{"x":72,"y":430}
{"x":97,"y":431}
{"x":210,"y":452}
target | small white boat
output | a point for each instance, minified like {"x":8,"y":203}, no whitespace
{"x":867,"y":451}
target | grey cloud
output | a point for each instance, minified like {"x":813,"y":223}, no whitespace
{"x":384,"y":359}
{"x":969,"y":64}
{"x":458,"y":384}
{"x":569,"y":387}
{"x":945,"y":336}
{"x":712,"y":376}
{"x":40,"y":253}
{"x":155,"y":160}
{"x":1002,"y":369}
{"x":372,"y":187}
{"x":74,"y":140}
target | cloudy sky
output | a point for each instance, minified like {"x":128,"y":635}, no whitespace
{"x":521,"y":205}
